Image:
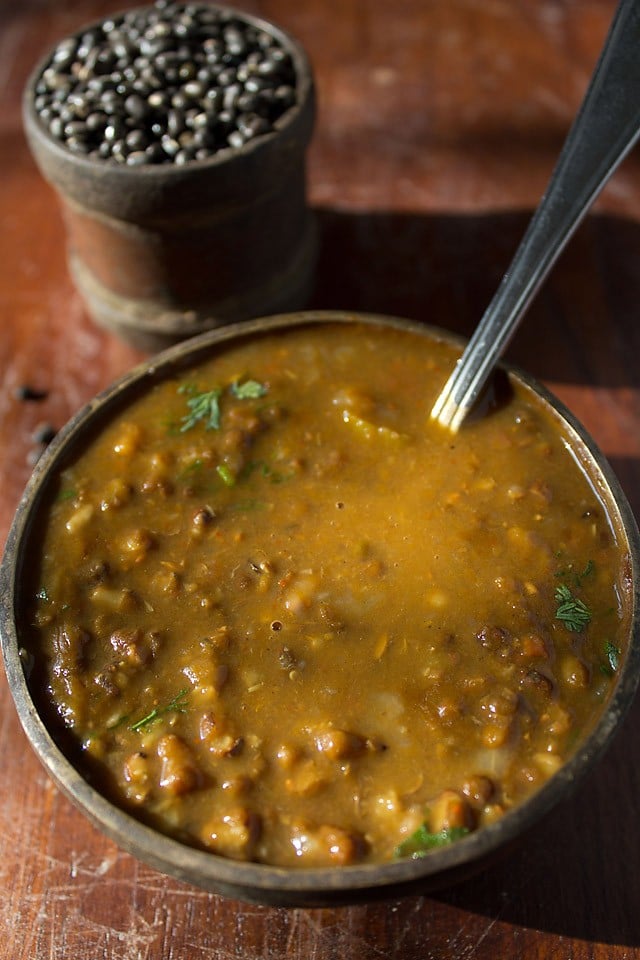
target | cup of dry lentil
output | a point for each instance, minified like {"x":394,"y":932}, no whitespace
{"x":175,"y":136}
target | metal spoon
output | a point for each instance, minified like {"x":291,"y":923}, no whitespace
{"x":606,"y":127}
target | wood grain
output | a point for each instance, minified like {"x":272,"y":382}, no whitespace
{"x":438,"y":126}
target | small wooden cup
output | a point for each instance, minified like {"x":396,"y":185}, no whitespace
{"x":163,"y":252}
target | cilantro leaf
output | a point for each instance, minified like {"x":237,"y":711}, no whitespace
{"x":612,"y":654}
{"x":225,"y":475}
{"x":423,"y":840}
{"x":249,"y":390}
{"x":203,"y":406}
{"x":176,"y":705}
{"x":571,"y":611}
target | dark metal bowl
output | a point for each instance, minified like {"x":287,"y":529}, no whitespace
{"x":257,"y":882}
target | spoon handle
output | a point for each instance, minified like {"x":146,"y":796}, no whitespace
{"x":604,"y":130}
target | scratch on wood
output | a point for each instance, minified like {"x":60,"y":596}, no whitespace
{"x":344,"y":932}
{"x":131,"y":944}
{"x":77,"y":867}
{"x":410,"y":923}
{"x":469,"y":948}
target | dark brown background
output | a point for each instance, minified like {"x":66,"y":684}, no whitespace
{"x":439,"y":123}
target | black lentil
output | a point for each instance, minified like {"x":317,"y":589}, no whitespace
{"x":166,"y":84}
{"x":26,"y":392}
{"x":41,"y":437}
{"x":43,"y":434}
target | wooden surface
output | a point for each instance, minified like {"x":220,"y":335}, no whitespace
{"x":439,"y":123}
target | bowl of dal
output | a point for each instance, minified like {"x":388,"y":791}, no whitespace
{"x":280,"y":635}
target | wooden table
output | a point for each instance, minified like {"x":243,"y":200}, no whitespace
{"x":438,"y":126}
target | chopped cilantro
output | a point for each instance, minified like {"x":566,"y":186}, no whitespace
{"x":266,"y":471}
{"x":572,"y":611}
{"x":225,"y":474}
{"x":612,"y":662}
{"x":203,"y":407}
{"x":249,"y":390}
{"x":176,"y":705}
{"x":423,"y":840}
{"x":588,"y":570}
{"x":569,"y":572}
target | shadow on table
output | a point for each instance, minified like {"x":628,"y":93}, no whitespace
{"x":444,"y":269}
{"x":582,"y":329}
{"x":577,"y":874}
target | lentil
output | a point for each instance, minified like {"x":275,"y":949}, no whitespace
{"x":26,"y":393}
{"x":165,"y":84}
{"x":43,"y":434}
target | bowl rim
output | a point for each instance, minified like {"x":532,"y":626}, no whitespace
{"x":262,"y":883}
